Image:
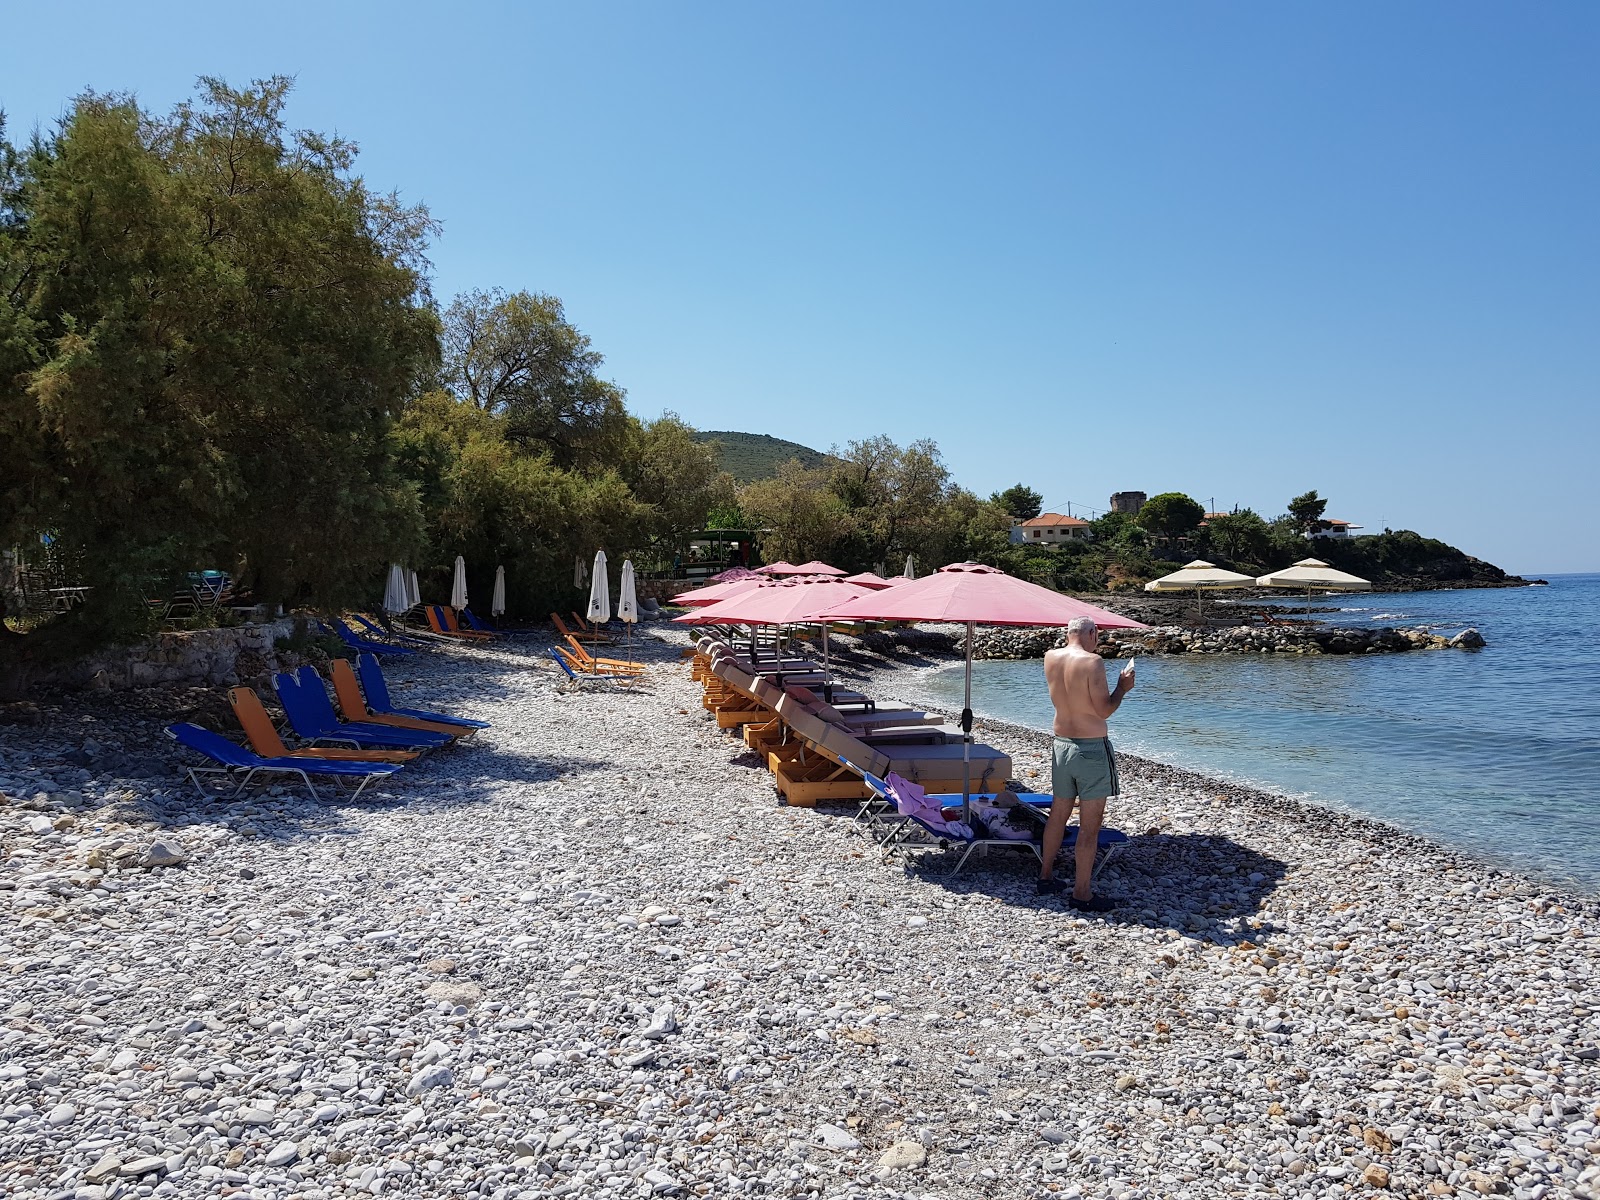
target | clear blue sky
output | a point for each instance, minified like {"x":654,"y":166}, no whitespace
{"x":1237,"y":250}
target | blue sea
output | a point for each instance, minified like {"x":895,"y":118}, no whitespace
{"x":1496,"y":751}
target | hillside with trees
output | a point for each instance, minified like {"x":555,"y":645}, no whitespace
{"x":749,"y":457}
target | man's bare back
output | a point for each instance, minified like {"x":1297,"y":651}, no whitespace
{"x":1076,"y":678}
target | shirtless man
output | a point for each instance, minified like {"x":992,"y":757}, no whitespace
{"x":1085,"y":768}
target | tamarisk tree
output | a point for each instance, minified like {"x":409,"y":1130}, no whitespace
{"x":207,"y":326}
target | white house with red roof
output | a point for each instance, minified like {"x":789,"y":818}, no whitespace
{"x":1050,"y":529}
{"x":1336,"y":529}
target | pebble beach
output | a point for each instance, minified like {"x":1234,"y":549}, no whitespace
{"x":590,"y":955}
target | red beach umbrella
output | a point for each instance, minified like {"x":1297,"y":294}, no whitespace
{"x":972,"y":594}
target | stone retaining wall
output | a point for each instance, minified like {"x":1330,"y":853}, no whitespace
{"x":216,"y":657}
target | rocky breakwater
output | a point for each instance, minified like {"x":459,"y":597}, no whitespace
{"x":1239,"y":639}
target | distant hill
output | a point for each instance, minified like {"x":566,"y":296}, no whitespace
{"x":751,"y":456}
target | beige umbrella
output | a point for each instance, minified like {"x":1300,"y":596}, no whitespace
{"x":397,"y":595}
{"x":1200,"y":576}
{"x":628,"y":601}
{"x":497,"y":606}
{"x":599,"y":592}
{"x":1311,"y":574}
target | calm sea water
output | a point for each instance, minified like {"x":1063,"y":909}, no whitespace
{"x":1496,"y":751}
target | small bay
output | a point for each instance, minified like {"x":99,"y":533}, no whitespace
{"x":1496,"y":751}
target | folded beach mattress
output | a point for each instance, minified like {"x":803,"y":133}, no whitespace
{"x":887,"y":712}
{"x":915,"y":761}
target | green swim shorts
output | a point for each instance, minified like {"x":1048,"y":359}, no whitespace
{"x":1084,"y":769}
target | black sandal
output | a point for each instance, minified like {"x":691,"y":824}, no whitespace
{"x":1094,"y":904}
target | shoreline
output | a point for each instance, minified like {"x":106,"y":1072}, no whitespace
{"x":902,"y":682}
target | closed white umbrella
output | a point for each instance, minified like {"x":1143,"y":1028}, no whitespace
{"x":458,"y":587}
{"x":911,"y":571}
{"x":413,"y":590}
{"x":497,"y":606}
{"x":396,"y":595}
{"x":600,"y":592}
{"x":627,"y":601}
{"x":580,"y":573}
{"x":1312,"y":573}
{"x":627,"y":596}
{"x":1200,"y":576}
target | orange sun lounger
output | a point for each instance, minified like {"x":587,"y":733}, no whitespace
{"x":600,"y":666}
{"x":353,"y":706}
{"x":443,"y":621}
{"x":264,"y":739}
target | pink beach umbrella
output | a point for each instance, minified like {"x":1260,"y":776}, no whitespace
{"x":971,"y":594}
{"x":815,"y":567}
{"x":793,"y":602}
{"x":869,"y":580}
{"x":811,"y":568}
{"x":701,"y":597}
{"x":790,"y":602}
{"x":778,"y":568}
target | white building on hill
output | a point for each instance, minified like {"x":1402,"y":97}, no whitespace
{"x":1050,"y":529}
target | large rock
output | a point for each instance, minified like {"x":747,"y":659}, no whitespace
{"x":902,"y":1155}
{"x":164,"y":852}
{"x":429,"y":1078}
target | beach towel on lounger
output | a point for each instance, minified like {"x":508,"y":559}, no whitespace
{"x":912,"y":801}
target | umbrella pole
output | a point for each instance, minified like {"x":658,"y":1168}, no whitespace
{"x":966,"y":733}
{"x":827,"y":668}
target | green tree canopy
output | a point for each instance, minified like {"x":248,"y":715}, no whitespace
{"x":1019,"y":501}
{"x":1170,"y":515}
{"x":207,"y":327}
{"x":676,"y":476}
{"x":1241,"y":537}
{"x":518,"y":357}
{"x":805,"y":518}
{"x":1306,"y":512}
{"x":495,"y":503}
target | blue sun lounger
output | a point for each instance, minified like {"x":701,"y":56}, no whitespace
{"x":910,"y":832}
{"x":472,"y":619}
{"x":233,"y":759}
{"x":360,"y":644}
{"x":311,"y":716}
{"x":377,"y":691}
{"x":378,"y":631}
